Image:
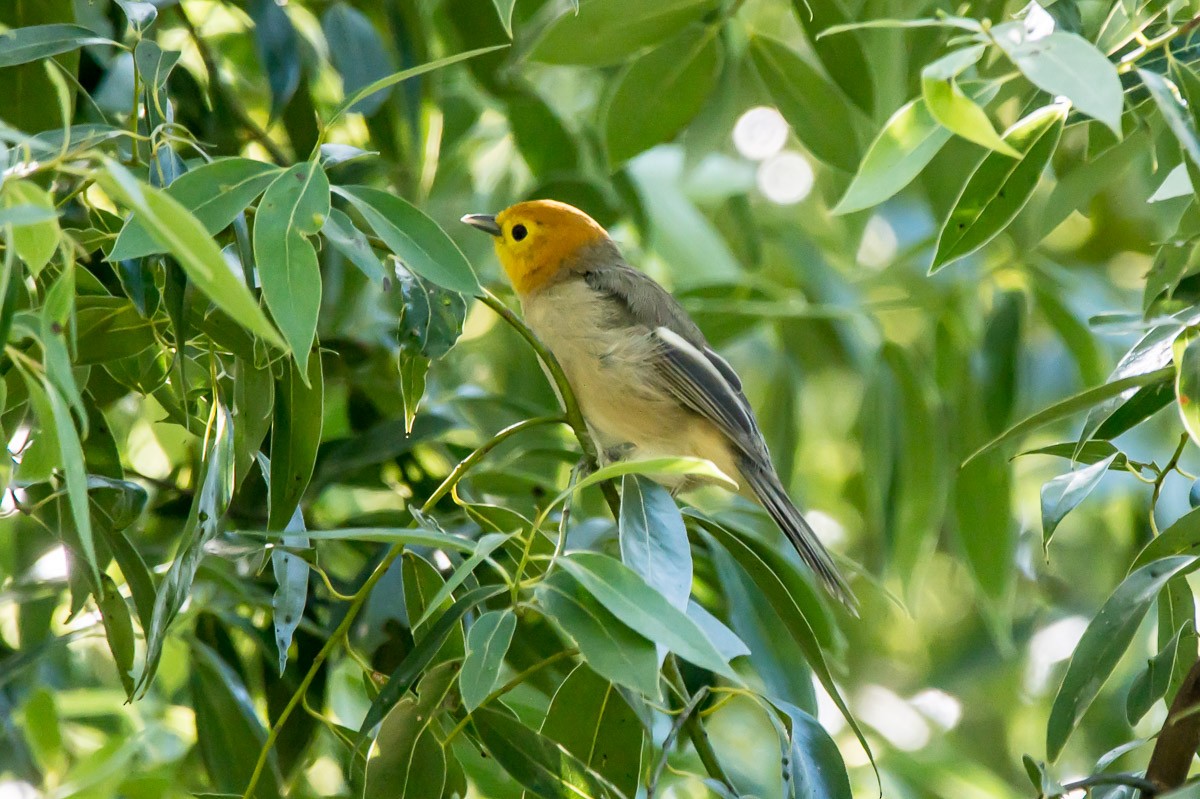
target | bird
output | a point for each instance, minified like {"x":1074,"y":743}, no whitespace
{"x":647,"y":381}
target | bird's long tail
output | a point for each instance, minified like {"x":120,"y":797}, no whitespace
{"x":770,"y":492}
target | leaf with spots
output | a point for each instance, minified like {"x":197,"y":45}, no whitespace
{"x":291,"y":587}
{"x":592,"y":721}
{"x":1187,"y":380}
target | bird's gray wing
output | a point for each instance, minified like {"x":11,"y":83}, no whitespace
{"x":697,"y":376}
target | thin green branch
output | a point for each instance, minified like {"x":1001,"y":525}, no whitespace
{"x":695,"y":729}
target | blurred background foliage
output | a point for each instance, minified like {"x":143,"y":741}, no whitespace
{"x":243,"y":354}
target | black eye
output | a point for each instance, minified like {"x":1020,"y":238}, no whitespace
{"x":519,"y":232}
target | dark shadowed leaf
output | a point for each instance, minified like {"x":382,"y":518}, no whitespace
{"x":407,"y":759}
{"x":843,"y":56}
{"x":810,"y":104}
{"x":277,"y":45}
{"x":660,"y":92}
{"x":589,"y":717}
{"x":357,"y":53}
{"x":295,"y":437}
{"x":1152,"y":682}
{"x":543,"y":767}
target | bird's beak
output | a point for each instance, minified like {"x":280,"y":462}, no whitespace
{"x":485,"y":222}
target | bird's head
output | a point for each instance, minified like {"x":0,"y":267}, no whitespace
{"x":535,"y":240}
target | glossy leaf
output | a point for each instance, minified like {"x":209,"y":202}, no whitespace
{"x":653,"y":539}
{"x":908,"y":142}
{"x":589,"y":717}
{"x":1066,"y":64}
{"x":1000,"y":186}
{"x":814,"y":768}
{"x":646,"y":611}
{"x":1105,"y":641}
{"x":294,"y":207}
{"x":414,"y":238}
{"x":1179,"y":538}
{"x":30,"y":43}
{"x":952,"y":108}
{"x":1151,"y":684}
{"x":1170,"y":105}
{"x":291,"y":588}
{"x":487,"y":644}
{"x":1064,"y":493}
{"x":660,"y":92}
{"x":611,"y":648}
{"x":1187,"y":380}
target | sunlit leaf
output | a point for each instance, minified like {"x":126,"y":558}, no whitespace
{"x":1064,"y":493}
{"x":952,"y":108}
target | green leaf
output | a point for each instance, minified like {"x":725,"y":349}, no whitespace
{"x":1000,"y":186}
{"x":403,"y":75}
{"x":277,"y":45}
{"x":543,"y":767}
{"x":1170,"y":105}
{"x":545,"y":142}
{"x":591,"y":720}
{"x":294,"y":207}
{"x":814,"y":767}
{"x":607,"y":31}
{"x":228,"y":732}
{"x":1066,"y":64}
{"x":1062,"y":494}
{"x":413,"y":369}
{"x":1105,"y":641}
{"x":118,"y":629}
{"x":1072,"y":405}
{"x":414,"y":238}
{"x":352,"y":243}
{"x":908,"y":142}
{"x":653,"y":539}
{"x":1187,"y":380}
{"x":1151,"y":683}
{"x":794,"y":619}
{"x":952,"y":108}
{"x":407,"y":759}
{"x":808,"y":102}
{"x":36,"y":242}
{"x":431,"y":318}
{"x":504,"y":10}
{"x":697,"y":467}
{"x":358,"y":55}
{"x":291,"y":588}
{"x":423,"y":599}
{"x":646,"y":611}
{"x":1180,"y":538}
{"x":660,"y":93}
{"x":982,"y":506}
{"x":203,"y":524}
{"x":724,"y":639}
{"x":415,"y":662}
{"x":22,"y":45}
{"x":253,"y":406}
{"x":610,"y":647}
{"x":214,"y":193}
{"x":844,"y":57}
{"x":54,"y":418}
{"x":1092,"y":452}
{"x":182,"y":235}
{"x":484,"y":548}
{"x":487,"y":644}
{"x":295,"y":437}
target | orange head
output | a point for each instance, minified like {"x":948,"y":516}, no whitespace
{"x":535,"y":240}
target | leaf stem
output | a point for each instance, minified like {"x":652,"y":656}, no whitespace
{"x":695,"y":729}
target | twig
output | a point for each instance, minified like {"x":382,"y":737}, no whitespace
{"x":1132,"y":780}
{"x":1177,"y":741}
{"x":217,"y":87}
{"x":695,"y":729}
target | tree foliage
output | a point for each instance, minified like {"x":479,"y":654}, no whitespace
{"x":290,"y":507}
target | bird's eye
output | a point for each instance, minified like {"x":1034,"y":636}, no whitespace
{"x":519,"y":232}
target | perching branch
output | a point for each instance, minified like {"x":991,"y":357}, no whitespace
{"x":1178,"y":740}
